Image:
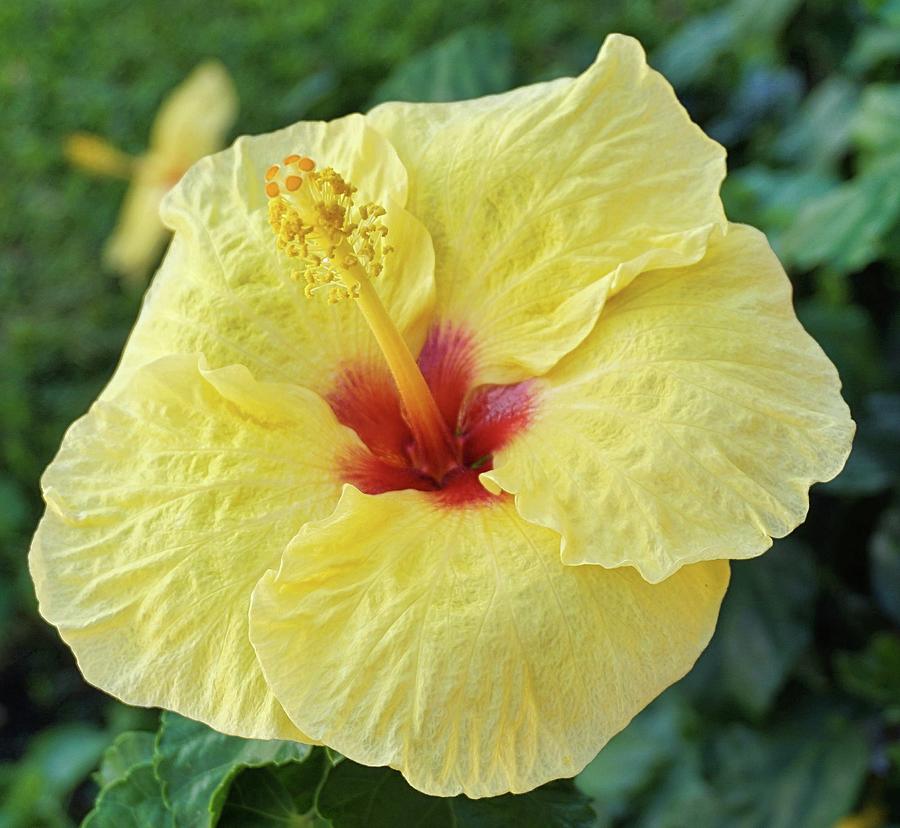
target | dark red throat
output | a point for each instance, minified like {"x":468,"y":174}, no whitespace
{"x":483,"y":420}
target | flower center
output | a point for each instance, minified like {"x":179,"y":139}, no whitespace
{"x":423,"y":423}
{"x":339,"y":244}
{"x":483,"y":419}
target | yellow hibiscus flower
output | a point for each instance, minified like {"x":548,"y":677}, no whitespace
{"x":192,"y":122}
{"x":478,"y":564}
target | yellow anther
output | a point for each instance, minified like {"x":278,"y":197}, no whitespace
{"x":317,"y":220}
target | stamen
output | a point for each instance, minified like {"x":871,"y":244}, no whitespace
{"x":341,"y":245}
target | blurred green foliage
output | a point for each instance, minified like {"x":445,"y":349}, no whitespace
{"x":792,"y":717}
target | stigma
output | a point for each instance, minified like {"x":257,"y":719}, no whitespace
{"x":318,"y":220}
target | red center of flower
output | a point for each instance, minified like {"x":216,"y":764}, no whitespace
{"x":482,"y":420}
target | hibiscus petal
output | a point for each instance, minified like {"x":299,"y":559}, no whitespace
{"x":224,"y":290}
{"x":165,"y":505}
{"x":688,"y":426}
{"x":453,"y":645}
{"x":194,"y":119}
{"x":542,"y":200}
{"x":138,"y":239}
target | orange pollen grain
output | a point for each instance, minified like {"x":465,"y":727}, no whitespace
{"x":291,"y":159}
{"x":307,"y":164}
{"x":272,"y":189}
{"x":271,"y":172}
{"x":293,"y":182}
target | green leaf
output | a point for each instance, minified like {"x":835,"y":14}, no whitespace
{"x":763,"y":92}
{"x":873,"y":45}
{"x":35,"y":791}
{"x":196,"y":765}
{"x":764,"y":627}
{"x":819,"y":133}
{"x":22,"y":798}
{"x":129,"y":749}
{"x":298,"y":100}
{"x":691,"y":53}
{"x":65,"y":755}
{"x":766,"y":623}
{"x":355,"y":796}
{"x":275,"y":797}
{"x":763,"y":18}
{"x":888,"y":11}
{"x":472,"y":62}
{"x":874,"y":674}
{"x":681,"y":796}
{"x":876,"y":128}
{"x":556,"y":805}
{"x":884,"y":556}
{"x":769,"y":198}
{"x":134,"y":801}
{"x":806,"y":774}
{"x":846,"y":228}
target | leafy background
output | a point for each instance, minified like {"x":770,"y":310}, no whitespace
{"x":792,"y":717}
